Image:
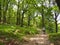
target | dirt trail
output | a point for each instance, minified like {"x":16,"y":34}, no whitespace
{"x":39,"y":39}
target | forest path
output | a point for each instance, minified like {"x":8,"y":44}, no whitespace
{"x":39,"y":39}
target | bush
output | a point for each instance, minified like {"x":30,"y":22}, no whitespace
{"x":15,"y":33}
{"x":2,"y":43}
{"x":55,"y":38}
{"x":28,"y":30}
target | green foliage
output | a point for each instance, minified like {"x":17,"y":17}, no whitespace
{"x":27,"y":30}
{"x":53,"y":37}
{"x":10,"y":32}
{"x":50,"y":27}
{"x":16,"y":32}
{"x":55,"y":8}
{"x":2,"y":43}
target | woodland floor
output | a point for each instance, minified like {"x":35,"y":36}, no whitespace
{"x":38,"y":39}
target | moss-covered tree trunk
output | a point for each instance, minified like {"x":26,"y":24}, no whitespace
{"x":28,"y":20}
{"x":22,"y":18}
{"x":18,"y":14}
{"x":0,"y":12}
{"x":43,"y":24}
{"x":5,"y":8}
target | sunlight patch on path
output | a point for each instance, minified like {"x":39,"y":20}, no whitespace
{"x":36,"y":38}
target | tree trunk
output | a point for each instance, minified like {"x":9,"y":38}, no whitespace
{"x":58,"y":3}
{"x":5,"y":11}
{"x":9,"y":12}
{"x":18,"y":19}
{"x":28,"y":20}
{"x":56,"y":25}
{"x":18,"y":14}
{"x":22,"y":19}
{"x":43,"y":25}
{"x":0,"y":12}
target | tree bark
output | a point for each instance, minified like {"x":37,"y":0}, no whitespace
{"x":58,"y":3}
{"x":56,"y":25}
{"x":28,"y":20}
{"x":5,"y":11}
{"x":43,"y":24}
{"x":0,"y":12}
{"x":9,"y":12}
{"x":18,"y":14}
{"x":22,"y":18}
